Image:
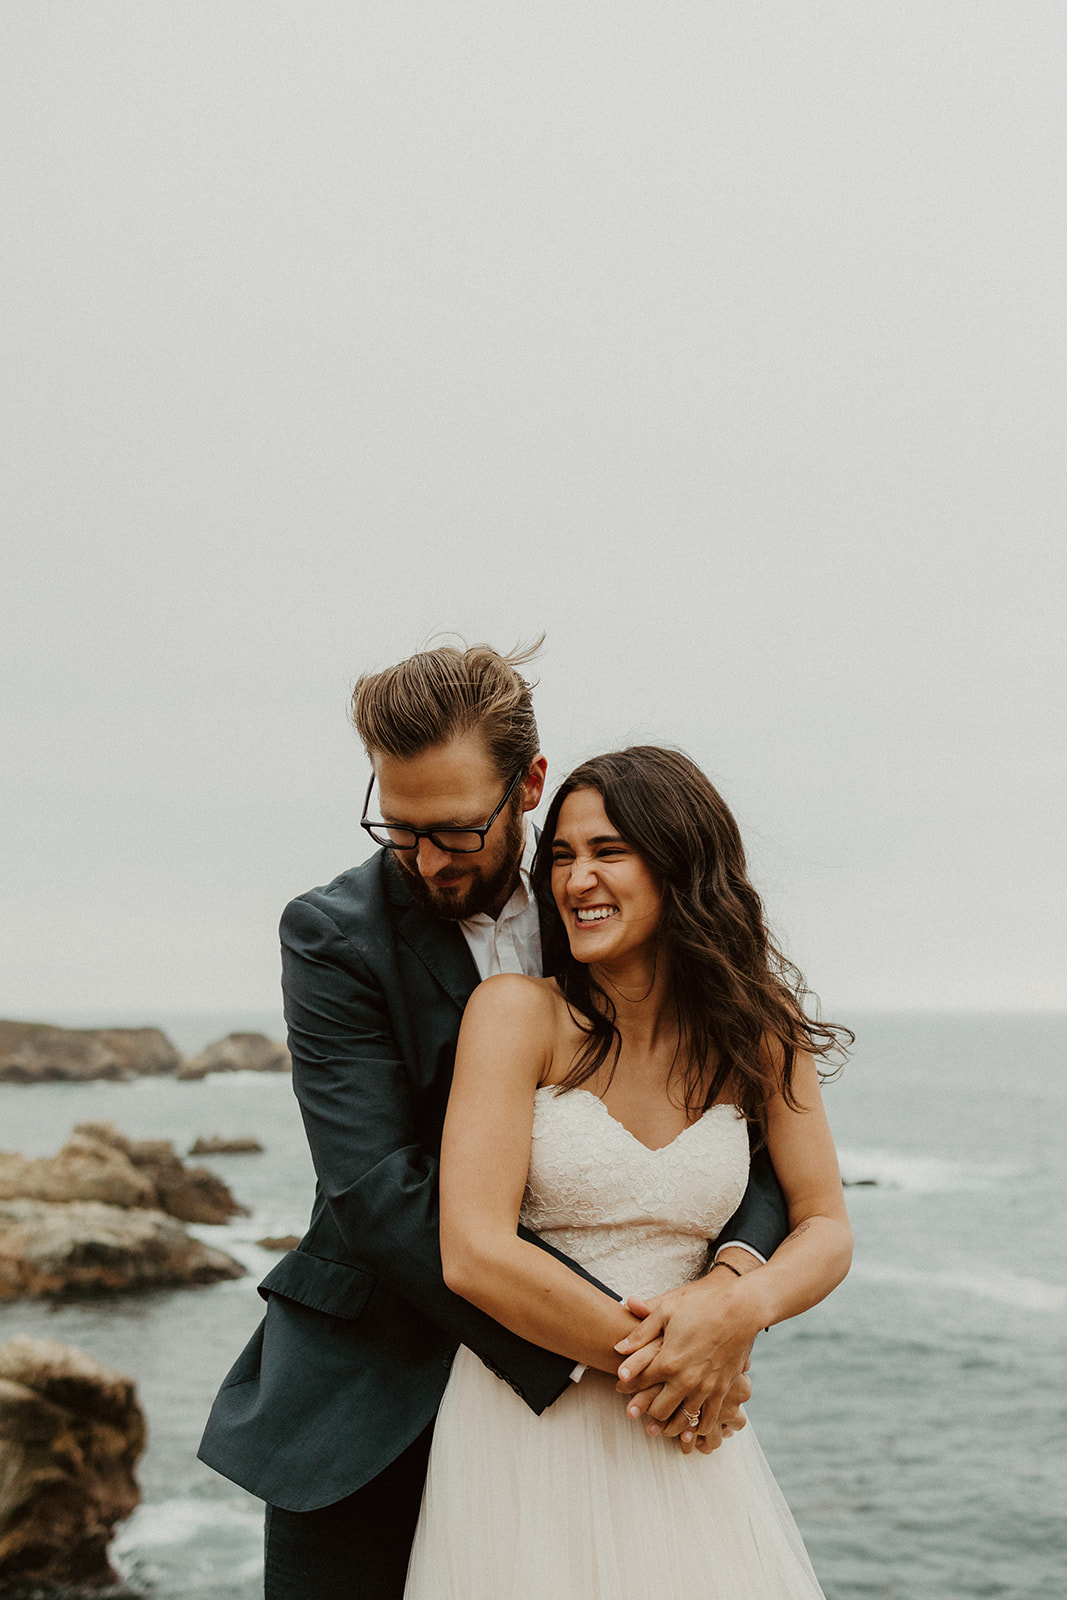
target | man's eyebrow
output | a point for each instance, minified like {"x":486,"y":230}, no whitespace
{"x":435,"y":827}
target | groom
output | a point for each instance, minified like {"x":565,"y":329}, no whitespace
{"x":328,"y":1412}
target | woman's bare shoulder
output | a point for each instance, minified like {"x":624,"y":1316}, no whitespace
{"x":513,"y":994}
{"x":534,"y":1003}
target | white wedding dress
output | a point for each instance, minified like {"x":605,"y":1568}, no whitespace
{"x":580,"y":1504}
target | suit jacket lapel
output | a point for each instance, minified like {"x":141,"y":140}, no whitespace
{"x":439,"y":945}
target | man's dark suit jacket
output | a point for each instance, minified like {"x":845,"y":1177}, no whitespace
{"x":351,"y":1360}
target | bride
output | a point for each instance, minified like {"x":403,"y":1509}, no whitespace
{"x":608,"y":1107}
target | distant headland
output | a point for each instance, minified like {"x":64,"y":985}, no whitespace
{"x":43,"y":1052}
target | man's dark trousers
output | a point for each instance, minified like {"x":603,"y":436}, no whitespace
{"x":356,"y":1549}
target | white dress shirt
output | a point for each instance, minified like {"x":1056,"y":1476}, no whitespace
{"x":512,"y":941}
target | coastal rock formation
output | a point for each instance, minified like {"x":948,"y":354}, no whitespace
{"x":83,"y":1170}
{"x":39,"y":1052}
{"x":216,"y":1146}
{"x":71,"y":1432}
{"x":86,"y":1247}
{"x":193,"y":1194}
{"x":99,"y":1163}
{"x":238,"y":1052}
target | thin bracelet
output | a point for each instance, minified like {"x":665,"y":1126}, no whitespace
{"x":729,"y":1268}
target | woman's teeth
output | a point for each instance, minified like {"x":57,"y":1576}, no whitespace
{"x":596,"y":913}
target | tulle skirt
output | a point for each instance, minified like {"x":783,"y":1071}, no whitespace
{"x":580,"y":1504}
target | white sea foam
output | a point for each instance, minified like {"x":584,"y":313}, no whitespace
{"x":174,"y":1522}
{"x":892,"y":1169}
{"x":240,"y":1237}
{"x":1029,"y":1294}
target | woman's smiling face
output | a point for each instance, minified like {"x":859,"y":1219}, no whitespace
{"x":608,"y":896}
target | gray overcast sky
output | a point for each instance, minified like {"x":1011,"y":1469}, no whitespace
{"x":724,"y":342}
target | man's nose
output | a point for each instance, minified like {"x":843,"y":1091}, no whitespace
{"x":430,"y":859}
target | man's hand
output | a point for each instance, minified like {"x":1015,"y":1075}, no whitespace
{"x":692,"y":1351}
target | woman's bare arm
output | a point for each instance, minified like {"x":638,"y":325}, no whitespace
{"x":722,"y":1314}
{"x":504,"y":1052}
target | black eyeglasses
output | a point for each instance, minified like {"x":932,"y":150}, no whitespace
{"x":458,"y":841}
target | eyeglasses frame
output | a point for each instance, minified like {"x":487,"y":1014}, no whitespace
{"x":431,"y":833}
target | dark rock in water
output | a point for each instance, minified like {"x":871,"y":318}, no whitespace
{"x":216,"y":1146}
{"x":238,"y":1052}
{"x":71,"y":1433}
{"x":39,"y":1052}
{"x":287,"y":1241}
{"x":195,"y":1194}
{"x":86,"y":1247}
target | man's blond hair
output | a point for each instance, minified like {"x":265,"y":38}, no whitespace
{"x":448,"y":693}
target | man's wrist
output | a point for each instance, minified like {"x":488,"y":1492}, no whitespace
{"x":739,"y":1258}
{"x":740,"y":1288}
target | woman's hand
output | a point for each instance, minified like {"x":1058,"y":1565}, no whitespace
{"x":710,"y":1432}
{"x":692,"y":1350}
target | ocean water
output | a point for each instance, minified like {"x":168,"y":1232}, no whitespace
{"x":917,"y":1420}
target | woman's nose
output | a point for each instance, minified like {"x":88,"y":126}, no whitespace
{"x":581,"y":875}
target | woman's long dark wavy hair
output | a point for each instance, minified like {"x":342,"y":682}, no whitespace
{"x":740,"y":1002}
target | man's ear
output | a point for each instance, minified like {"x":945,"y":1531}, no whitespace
{"x":533,"y":784}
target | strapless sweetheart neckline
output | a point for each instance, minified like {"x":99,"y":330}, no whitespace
{"x":653,"y":1150}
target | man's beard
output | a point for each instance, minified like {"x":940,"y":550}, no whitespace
{"x":459,"y":903}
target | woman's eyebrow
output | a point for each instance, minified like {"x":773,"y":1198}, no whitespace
{"x":599,"y":838}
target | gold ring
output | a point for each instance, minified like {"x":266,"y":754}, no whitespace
{"x":692,"y":1417}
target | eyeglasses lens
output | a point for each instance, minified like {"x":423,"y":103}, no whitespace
{"x":456,"y":840}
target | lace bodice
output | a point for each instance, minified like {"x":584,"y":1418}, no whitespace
{"x":638,"y":1219}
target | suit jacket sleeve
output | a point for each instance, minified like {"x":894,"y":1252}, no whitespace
{"x":369,"y":1152}
{"x":762,"y":1218}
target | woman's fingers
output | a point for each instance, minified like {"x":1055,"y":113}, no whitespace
{"x":707,"y":1436}
{"x":731,"y":1420}
{"x":640,"y":1308}
{"x":717,"y":1395}
{"x":645,"y":1332}
{"x":638,"y":1403}
{"x":632,"y":1368}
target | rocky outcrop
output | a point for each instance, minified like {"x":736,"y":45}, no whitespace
{"x":71,"y":1433}
{"x":83,"y":1170}
{"x":99,"y":1163}
{"x":194,"y":1194}
{"x":214,"y":1146}
{"x":238,"y":1052}
{"x":39,"y":1052}
{"x":283,"y":1242}
{"x":86,"y":1247}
